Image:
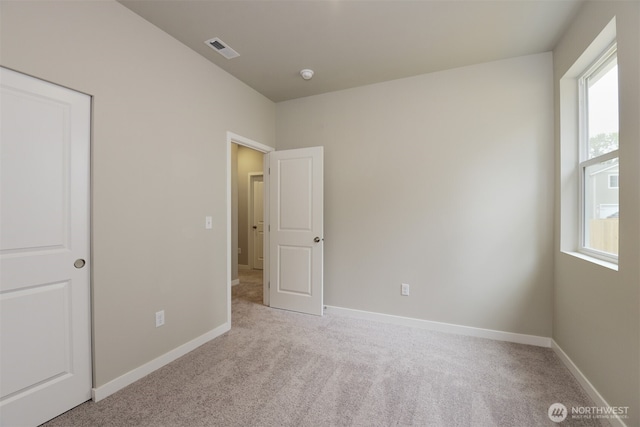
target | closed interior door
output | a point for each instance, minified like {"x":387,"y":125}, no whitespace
{"x":45,"y":363}
{"x":296,"y":230}
{"x":258,"y":222}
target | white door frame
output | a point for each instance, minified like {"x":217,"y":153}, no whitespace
{"x":250,"y":211}
{"x":233,"y":138}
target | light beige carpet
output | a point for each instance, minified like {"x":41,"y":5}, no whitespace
{"x":277,"y":368}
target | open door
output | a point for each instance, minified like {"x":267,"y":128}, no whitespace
{"x":296,"y":229}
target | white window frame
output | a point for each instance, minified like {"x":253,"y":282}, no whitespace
{"x":583,"y":143}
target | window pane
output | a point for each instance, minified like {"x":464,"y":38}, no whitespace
{"x":601,"y":209}
{"x":602,"y":109}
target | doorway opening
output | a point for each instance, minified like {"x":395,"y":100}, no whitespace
{"x":245,"y":179}
{"x":248,"y":187}
{"x":248,"y":238}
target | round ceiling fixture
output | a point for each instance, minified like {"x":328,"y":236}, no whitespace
{"x":306,"y":74}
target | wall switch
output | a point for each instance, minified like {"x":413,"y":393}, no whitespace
{"x":208,"y":222}
{"x":159,"y":318}
{"x":239,"y":250}
{"x":404,"y":289}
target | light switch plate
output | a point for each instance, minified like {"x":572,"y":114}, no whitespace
{"x":159,"y":318}
{"x":404,"y":290}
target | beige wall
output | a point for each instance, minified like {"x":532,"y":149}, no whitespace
{"x":160,"y":117}
{"x":443,"y":181}
{"x":249,"y":161}
{"x":596,"y":309}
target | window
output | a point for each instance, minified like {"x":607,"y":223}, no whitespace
{"x":598,"y":157}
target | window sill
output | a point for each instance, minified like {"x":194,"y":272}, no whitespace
{"x":602,"y":263}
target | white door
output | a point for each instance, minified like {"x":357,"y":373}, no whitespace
{"x":45,"y":341}
{"x":296,"y":229}
{"x":258,"y":221}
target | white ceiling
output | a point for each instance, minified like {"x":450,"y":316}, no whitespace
{"x":351,"y":43}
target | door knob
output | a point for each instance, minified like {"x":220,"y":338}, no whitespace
{"x":255,"y":227}
{"x":317,"y":240}
{"x":79,"y":263}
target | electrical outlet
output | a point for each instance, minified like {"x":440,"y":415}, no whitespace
{"x":159,"y":318}
{"x":404,"y":289}
{"x":239,"y":250}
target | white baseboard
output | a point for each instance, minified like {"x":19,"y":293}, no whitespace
{"x":235,"y":282}
{"x":130,"y":377}
{"x":443,"y":327}
{"x":243,"y":267}
{"x":585,"y":383}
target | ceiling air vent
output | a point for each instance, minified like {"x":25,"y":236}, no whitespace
{"x":221,"y":47}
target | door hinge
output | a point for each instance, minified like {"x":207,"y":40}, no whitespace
{"x":269,"y":284}
{"x":269,"y":226}
{"x":269,"y":171}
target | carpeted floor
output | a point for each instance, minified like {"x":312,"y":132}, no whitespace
{"x":277,"y":368}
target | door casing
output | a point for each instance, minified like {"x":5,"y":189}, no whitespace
{"x":253,"y":178}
